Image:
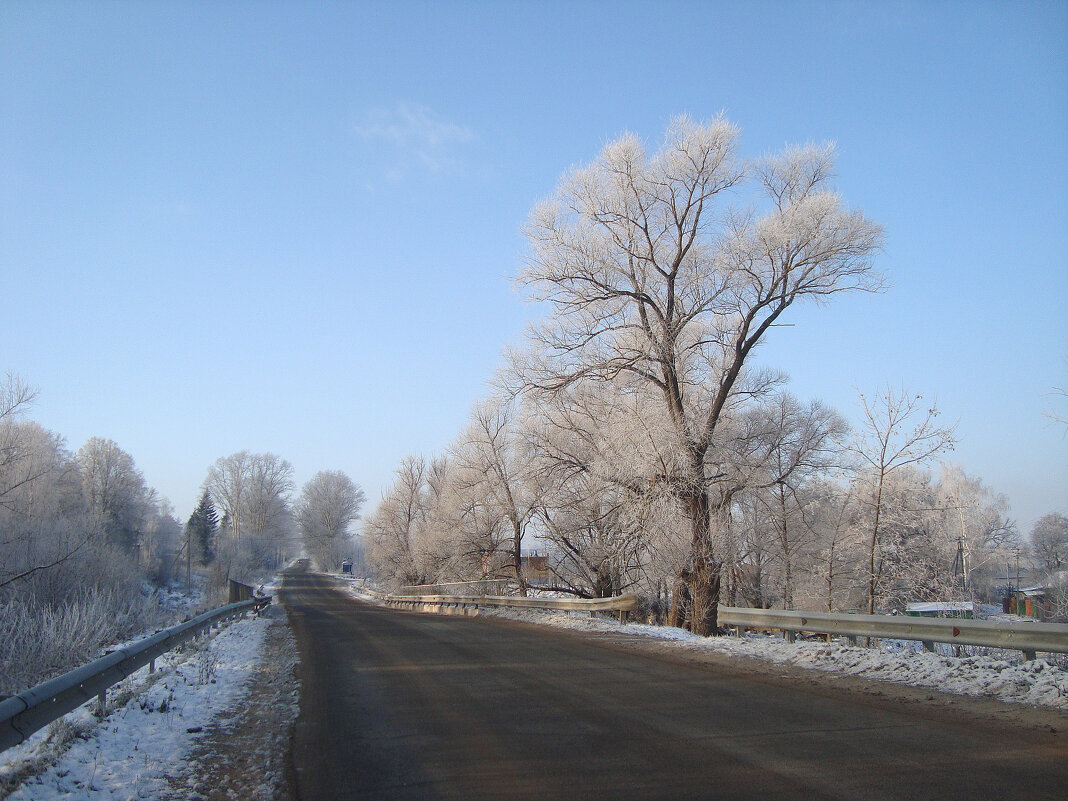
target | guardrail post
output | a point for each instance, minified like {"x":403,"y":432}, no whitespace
{"x":790,"y":634}
{"x":152,"y":666}
{"x":1030,"y":656}
{"x":102,"y":703}
{"x":928,"y":645}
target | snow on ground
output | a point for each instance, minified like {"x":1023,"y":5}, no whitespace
{"x":156,"y":721}
{"x":996,"y":674}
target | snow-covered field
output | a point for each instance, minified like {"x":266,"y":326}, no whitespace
{"x":152,"y":725}
{"x":1004,"y":676}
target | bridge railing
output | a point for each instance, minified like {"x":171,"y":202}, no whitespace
{"x":465,"y":588}
{"x":23,"y":714}
{"x":465,"y":604}
{"x":1030,"y":638}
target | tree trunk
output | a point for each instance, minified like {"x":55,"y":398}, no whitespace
{"x":704,"y":589}
{"x":784,"y":536}
{"x":602,"y":587}
{"x":659,"y":611}
{"x":874,"y":544}
{"x":679,"y":612}
{"x":705,"y":571}
{"x":517,"y":557}
{"x":788,"y":584}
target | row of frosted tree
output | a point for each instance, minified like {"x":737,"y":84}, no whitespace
{"x":91,"y":555}
{"x":260,"y":524}
{"x":83,"y":541}
{"x":633,"y":438}
{"x":810,"y":522}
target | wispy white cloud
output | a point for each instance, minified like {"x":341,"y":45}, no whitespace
{"x":418,"y":138}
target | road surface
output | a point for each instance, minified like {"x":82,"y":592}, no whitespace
{"x":399,"y":705}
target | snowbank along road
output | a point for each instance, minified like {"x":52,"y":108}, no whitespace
{"x":398,"y":705}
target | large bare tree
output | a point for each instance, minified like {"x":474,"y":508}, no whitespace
{"x":328,"y":505}
{"x":252,"y":490}
{"x":899,"y":431}
{"x":652,"y":275}
{"x":16,"y":397}
{"x":492,"y":464}
{"x":394,"y":531}
{"x":802,"y":453}
{"x":1049,"y":542}
{"x":118,"y":499}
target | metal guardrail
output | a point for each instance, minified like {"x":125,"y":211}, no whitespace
{"x":459,"y":604}
{"x":484,"y":587}
{"x":1027,"y":637}
{"x":1030,"y":638}
{"x":23,"y":714}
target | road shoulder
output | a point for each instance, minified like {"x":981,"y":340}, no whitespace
{"x":246,"y":754}
{"x":1045,"y":722}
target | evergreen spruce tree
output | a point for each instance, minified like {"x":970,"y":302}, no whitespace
{"x":202,"y":524}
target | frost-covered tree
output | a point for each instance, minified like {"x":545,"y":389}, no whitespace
{"x":115,"y":491}
{"x":974,"y":530}
{"x":651,"y":274}
{"x":328,"y":506}
{"x":228,"y":484}
{"x":270,"y":486}
{"x":805,"y":446}
{"x":16,"y":397}
{"x":899,"y":431}
{"x":592,"y":455}
{"x":43,"y":516}
{"x":461,"y":537}
{"x":393,"y":532}
{"x":492,"y":469}
{"x":71,"y":580}
{"x":1049,"y":542}
{"x":837,"y":572}
{"x":160,"y":542}
{"x":252,"y":491}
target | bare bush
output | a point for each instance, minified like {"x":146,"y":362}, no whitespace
{"x":39,"y":640}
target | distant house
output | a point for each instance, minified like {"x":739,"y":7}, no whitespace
{"x":964,"y":610}
{"x":1027,"y":602}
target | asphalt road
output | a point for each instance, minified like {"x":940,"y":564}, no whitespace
{"x":398,"y":705}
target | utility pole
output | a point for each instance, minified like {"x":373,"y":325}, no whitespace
{"x":188,"y":559}
{"x":960,"y":567}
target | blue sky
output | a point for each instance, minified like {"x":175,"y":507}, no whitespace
{"x":291,"y":227}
